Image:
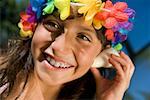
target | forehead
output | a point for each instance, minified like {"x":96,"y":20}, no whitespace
{"x":74,"y":12}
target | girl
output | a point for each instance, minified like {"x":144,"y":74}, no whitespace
{"x":60,"y":40}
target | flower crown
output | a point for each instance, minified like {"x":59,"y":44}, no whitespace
{"x":116,"y":18}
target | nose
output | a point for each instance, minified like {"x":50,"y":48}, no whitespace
{"x":61,"y":45}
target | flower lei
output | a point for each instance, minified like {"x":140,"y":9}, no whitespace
{"x":116,"y":18}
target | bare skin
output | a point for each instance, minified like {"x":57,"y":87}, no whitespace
{"x":78,"y":44}
{"x":108,"y":89}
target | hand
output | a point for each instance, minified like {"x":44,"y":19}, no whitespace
{"x":114,"y":89}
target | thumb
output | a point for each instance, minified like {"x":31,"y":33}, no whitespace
{"x":96,"y":75}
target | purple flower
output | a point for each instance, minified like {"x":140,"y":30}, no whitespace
{"x":123,"y":27}
{"x":116,"y":27}
{"x":118,"y":37}
{"x":32,"y":14}
{"x":130,"y":12}
{"x":126,"y":25}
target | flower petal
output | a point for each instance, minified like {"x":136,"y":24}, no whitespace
{"x":120,"y":6}
{"x":63,"y":7}
{"x":121,"y":17}
{"x":108,"y":4}
{"x":24,"y":16}
{"x":49,"y":8}
{"x":102,"y":15}
{"x":37,"y":6}
{"x":118,"y":47}
{"x":130,"y":12}
{"x":91,"y":13}
{"x":109,"y":34}
{"x":27,"y":26}
{"x":26,"y":33}
{"x":97,"y":24}
{"x":110,"y":22}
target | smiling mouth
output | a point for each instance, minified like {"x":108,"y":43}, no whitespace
{"x":57,"y":63}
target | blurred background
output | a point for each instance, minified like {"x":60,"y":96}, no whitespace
{"x":137,"y":46}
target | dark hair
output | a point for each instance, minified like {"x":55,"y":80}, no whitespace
{"x":17,"y":59}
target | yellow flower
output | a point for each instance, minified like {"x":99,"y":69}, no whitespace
{"x":96,"y":22}
{"x":23,"y":33}
{"x":90,"y":8}
{"x":63,"y":7}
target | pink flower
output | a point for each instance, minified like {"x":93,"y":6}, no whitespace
{"x":112,"y":14}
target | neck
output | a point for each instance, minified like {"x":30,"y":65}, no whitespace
{"x":37,"y":89}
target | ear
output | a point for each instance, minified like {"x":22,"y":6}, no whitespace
{"x":102,"y":59}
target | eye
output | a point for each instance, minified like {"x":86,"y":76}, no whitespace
{"x":83,"y":37}
{"x":51,"y":26}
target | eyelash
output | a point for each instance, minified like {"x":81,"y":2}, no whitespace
{"x":51,"y":26}
{"x":83,"y":37}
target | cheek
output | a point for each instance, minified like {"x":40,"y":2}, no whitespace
{"x":87,"y":56}
{"x":40,"y":38}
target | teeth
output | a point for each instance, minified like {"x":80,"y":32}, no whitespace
{"x":62,"y":65}
{"x":49,"y":59}
{"x":67,"y":65}
{"x":57,"y":64}
{"x":52,"y":61}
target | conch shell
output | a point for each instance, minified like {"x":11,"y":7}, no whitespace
{"x":102,"y":59}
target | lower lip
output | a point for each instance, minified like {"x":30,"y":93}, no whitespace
{"x":49,"y":66}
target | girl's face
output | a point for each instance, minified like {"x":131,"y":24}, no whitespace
{"x":64,"y":50}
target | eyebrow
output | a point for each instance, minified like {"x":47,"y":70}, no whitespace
{"x":87,"y":29}
{"x":53,"y":17}
{"x":72,"y":16}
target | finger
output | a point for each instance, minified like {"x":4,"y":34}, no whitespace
{"x":126,"y":57}
{"x":122,"y":61}
{"x":117,"y":66}
{"x":131,"y":72}
{"x":96,"y":75}
{"x":129,"y":61}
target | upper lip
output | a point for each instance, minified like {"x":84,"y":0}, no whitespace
{"x":58,"y":59}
